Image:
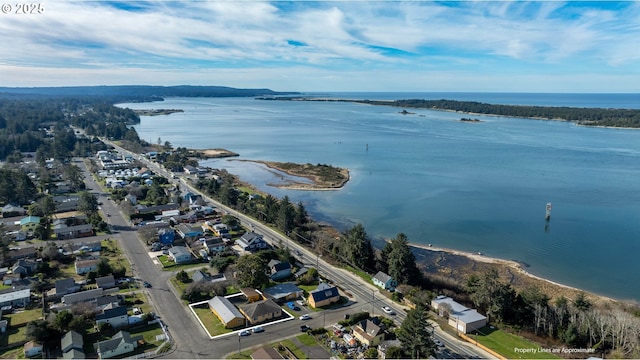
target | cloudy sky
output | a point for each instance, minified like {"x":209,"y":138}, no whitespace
{"x":357,"y":45}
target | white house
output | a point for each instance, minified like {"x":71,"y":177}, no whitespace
{"x":460,"y":317}
{"x":32,"y":349}
{"x":121,"y":343}
{"x":251,"y":241}
{"x":84,"y":266}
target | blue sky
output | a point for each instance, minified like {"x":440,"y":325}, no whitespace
{"x":358,"y":45}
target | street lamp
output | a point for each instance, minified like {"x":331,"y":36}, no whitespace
{"x":239,"y":337}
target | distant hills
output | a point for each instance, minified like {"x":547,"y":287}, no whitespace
{"x":140,"y":92}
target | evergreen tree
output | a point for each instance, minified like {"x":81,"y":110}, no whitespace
{"x":357,"y":249}
{"x":402,"y":261}
{"x":414,"y":334}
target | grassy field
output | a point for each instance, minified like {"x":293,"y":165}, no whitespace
{"x":506,"y":344}
{"x":210,"y":321}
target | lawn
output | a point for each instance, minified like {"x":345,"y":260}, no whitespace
{"x":210,"y":321}
{"x":149,"y":333}
{"x":506,"y":344}
{"x":299,"y":354}
{"x":22,"y":317}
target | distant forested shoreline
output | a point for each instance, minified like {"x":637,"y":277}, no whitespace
{"x":628,"y":118}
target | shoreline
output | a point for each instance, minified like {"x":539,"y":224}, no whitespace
{"x":517,"y":267}
{"x":293,"y":185}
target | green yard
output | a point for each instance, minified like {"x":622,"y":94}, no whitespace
{"x":210,"y":321}
{"x":509,"y":345}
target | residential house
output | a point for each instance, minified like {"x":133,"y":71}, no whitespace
{"x":24,"y":267}
{"x":29,"y":223}
{"x":214,"y":245}
{"x":460,"y":317}
{"x":32,"y":349}
{"x":369,"y":332}
{"x":17,"y":235}
{"x":83,"y":296}
{"x":84,"y":266}
{"x":228,"y":314}
{"x":187,"y":231}
{"x":66,"y":286}
{"x":166,"y":236}
{"x":251,"y":241}
{"x":15,"y":297}
{"x":199,"y":276}
{"x":251,"y":294}
{"x":323,"y":295}
{"x":266,"y":353}
{"x":156,"y":209}
{"x":66,"y":203}
{"x":132,"y":199}
{"x":279,"y":270}
{"x":114,"y":315}
{"x":10,"y":210}
{"x":62,"y":231}
{"x":20,"y":253}
{"x":74,"y":354}
{"x":120,"y":344}
{"x":221,"y":230}
{"x":106,"y":282}
{"x":261,"y":311}
{"x":72,"y":341}
{"x":283,"y":292}
{"x":384,"y":281}
{"x":180,"y":254}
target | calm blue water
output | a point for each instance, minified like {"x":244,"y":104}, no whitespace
{"x":468,"y":186}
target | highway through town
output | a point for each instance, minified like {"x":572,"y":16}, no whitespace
{"x":191,"y":340}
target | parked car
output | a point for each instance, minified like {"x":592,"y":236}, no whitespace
{"x":305,"y":317}
{"x":258,"y":329}
{"x":388,"y":310}
{"x":292,"y":306}
{"x":146,"y":284}
{"x":244,"y":333}
{"x":304,"y":328}
{"x":438,"y":343}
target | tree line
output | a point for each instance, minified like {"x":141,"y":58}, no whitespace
{"x":583,"y":116}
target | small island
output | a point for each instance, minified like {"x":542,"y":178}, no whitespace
{"x":322,"y":176}
{"x":474,"y":120}
{"x":156,"y":112}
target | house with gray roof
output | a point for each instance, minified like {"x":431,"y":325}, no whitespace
{"x":260,"y":311}
{"x":460,"y":317}
{"x":228,"y":314}
{"x":114,"y":315}
{"x":120,"y":344}
{"x":180,"y":254}
{"x":72,"y":341}
{"x":382,"y":280}
{"x":66,"y":286}
{"x":283,"y":292}
{"x":106,"y":282}
{"x":15,"y":297}
{"x":251,"y":241}
{"x":83,"y":296}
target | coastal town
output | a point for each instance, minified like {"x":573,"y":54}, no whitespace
{"x":134,"y":250}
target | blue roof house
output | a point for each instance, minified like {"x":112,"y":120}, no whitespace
{"x":166,"y":236}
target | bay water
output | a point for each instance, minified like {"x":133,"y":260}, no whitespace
{"x":478,"y":187}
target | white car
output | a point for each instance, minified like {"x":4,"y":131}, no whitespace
{"x":305,"y":317}
{"x":257,"y":329}
{"x":244,"y":333}
{"x":388,"y":310}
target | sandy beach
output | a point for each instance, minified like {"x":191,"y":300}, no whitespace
{"x":450,"y":262}
{"x":317,"y":184}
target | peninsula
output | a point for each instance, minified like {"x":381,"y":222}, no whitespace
{"x":156,"y":112}
{"x":627,"y":118}
{"x":322,"y":176}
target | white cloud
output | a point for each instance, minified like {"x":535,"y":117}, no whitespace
{"x":167,"y":40}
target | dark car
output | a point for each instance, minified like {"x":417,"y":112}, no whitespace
{"x":147,"y":284}
{"x":304,"y":328}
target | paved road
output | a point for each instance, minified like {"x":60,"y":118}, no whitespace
{"x":363,"y":294}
